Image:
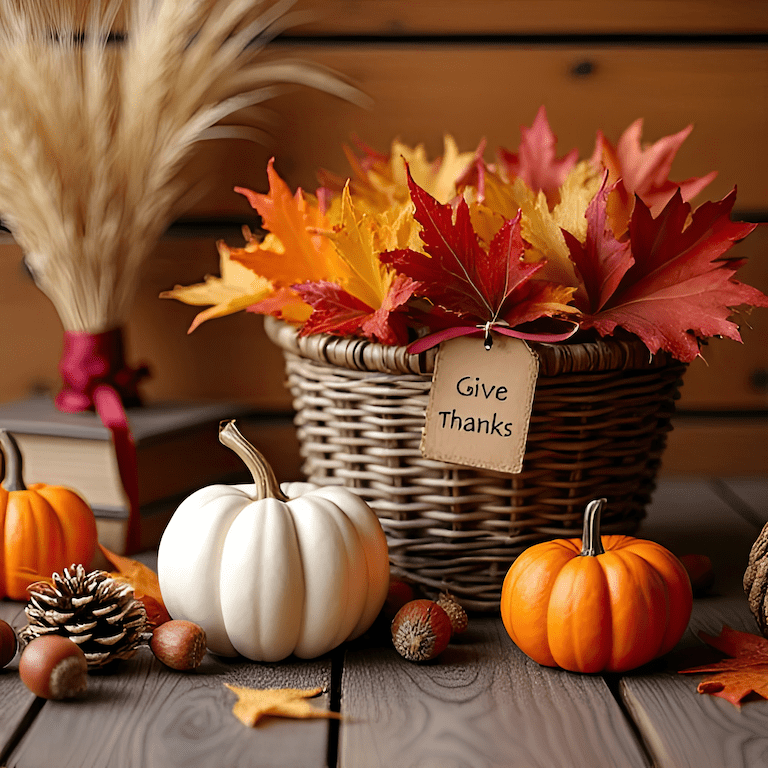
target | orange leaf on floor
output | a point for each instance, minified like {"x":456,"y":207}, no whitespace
{"x":143,"y":579}
{"x":735,"y":678}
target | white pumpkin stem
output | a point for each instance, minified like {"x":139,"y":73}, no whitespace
{"x":14,"y":478}
{"x":264,"y":478}
{"x":591,"y":543}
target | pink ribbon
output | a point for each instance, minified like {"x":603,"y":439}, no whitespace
{"x":95,"y":376}
{"x":433,"y":339}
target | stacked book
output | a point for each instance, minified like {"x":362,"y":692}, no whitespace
{"x":177,"y":451}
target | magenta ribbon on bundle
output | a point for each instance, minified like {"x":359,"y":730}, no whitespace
{"x":95,"y":376}
{"x":484,"y":329}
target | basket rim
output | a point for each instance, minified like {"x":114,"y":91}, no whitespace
{"x":600,"y":354}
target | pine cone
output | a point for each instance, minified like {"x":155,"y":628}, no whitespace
{"x":756,"y":580}
{"x":94,"y":610}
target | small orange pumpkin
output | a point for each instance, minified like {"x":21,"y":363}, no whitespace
{"x":43,"y":528}
{"x":596,"y":604}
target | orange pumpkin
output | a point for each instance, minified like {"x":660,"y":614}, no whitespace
{"x":596,"y":604}
{"x":43,"y":528}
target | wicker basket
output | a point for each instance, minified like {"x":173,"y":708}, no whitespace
{"x":600,"y":417}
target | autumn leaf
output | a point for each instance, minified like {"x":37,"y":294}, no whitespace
{"x":338,"y":312}
{"x":601,"y":260}
{"x":297,"y":251}
{"x":459,"y":275}
{"x":144,"y":582}
{"x":679,"y":288}
{"x":255,"y":703}
{"x":378,"y":180}
{"x":735,"y":678}
{"x":258,"y":277}
{"x":536,"y":161}
{"x":237,"y":288}
{"x":644,"y":170}
{"x":371,"y":300}
{"x":542,"y":227}
{"x":283,"y":303}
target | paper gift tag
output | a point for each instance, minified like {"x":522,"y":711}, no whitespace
{"x":480,"y":403}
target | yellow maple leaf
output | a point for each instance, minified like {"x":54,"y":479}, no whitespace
{"x":237,"y":288}
{"x":379,"y":181}
{"x":397,"y":228}
{"x":486,"y":222}
{"x":576,"y":193}
{"x":539,"y":225}
{"x":358,"y":240}
{"x":255,"y":703}
{"x":438,"y":178}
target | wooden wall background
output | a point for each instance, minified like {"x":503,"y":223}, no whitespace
{"x":472,"y":69}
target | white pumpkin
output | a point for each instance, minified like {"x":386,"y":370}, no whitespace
{"x":267,"y":575}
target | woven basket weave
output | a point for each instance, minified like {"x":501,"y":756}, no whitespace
{"x":600,"y":417}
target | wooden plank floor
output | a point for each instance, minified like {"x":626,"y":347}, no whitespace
{"x":481,"y":704}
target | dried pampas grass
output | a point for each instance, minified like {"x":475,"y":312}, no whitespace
{"x":100,"y":105}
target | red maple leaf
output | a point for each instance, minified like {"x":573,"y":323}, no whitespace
{"x":338,"y":312}
{"x":645,"y":170}
{"x":601,"y":261}
{"x":735,"y":678}
{"x":679,"y":288}
{"x":460,"y":276}
{"x":536,"y":161}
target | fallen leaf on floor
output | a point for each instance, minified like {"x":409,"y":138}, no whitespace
{"x":736,"y":678}
{"x":254,"y":703}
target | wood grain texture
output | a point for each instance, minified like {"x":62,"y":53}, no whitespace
{"x":701,"y":445}
{"x":481,"y":704}
{"x":690,"y":517}
{"x":681,"y":726}
{"x":513,"y":17}
{"x":17,"y":700}
{"x":488,"y":90}
{"x":729,"y":375}
{"x":476,"y":91}
{"x":144,"y":714}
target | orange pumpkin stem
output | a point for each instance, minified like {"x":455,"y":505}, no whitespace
{"x":14,"y":478}
{"x":264,"y":478}
{"x":591,"y":543}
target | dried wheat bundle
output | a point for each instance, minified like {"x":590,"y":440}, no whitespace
{"x":101,"y":102}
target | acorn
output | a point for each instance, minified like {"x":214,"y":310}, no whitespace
{"x":53,"y":667}
{"x":8,"y":643}
{"x":457,"y":614}
{"x":179,"y":644}
{"x":421,"y":630}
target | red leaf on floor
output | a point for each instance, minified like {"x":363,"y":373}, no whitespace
{"x":735,"y":678}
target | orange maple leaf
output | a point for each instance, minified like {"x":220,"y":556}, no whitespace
{"x":296,"y":250}
{"x":735,"y":678}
